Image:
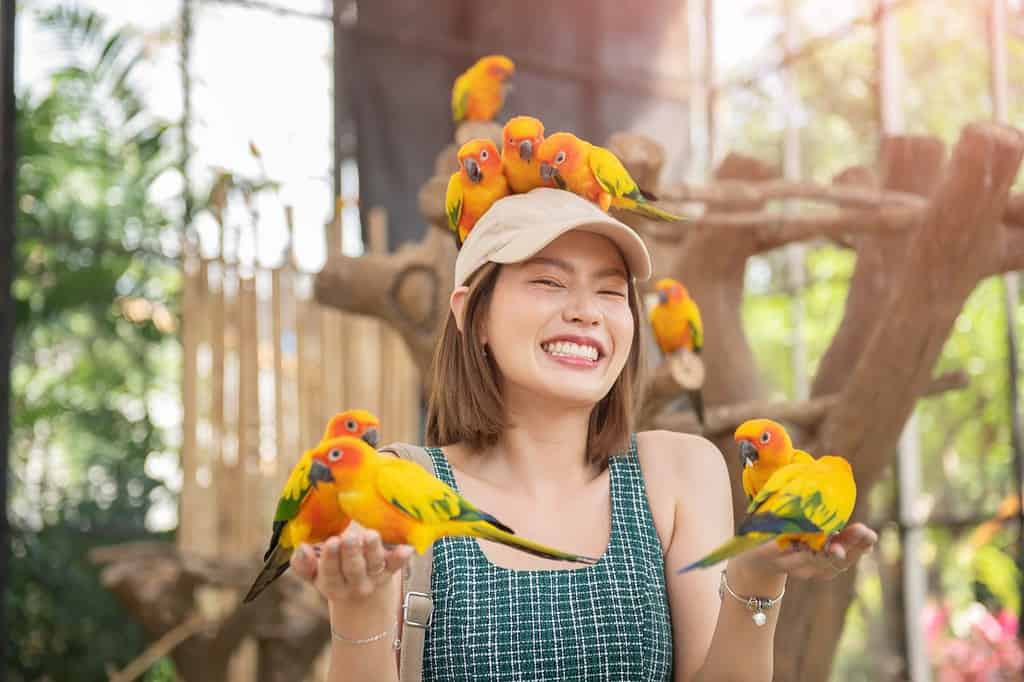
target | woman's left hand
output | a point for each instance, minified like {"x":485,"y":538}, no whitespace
{"x":842,"y":551}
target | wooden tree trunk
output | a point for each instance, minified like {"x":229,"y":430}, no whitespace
{"x":945,"y":258}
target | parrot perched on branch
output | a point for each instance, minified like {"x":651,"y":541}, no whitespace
{"x":307,"y":510}
{"x":765,"y":447}
{"x":521,"y":138}
{"x":802,"y":503}
{"x":407,"y":505}
{"x":472,"y":189}
{"x":478,"y":93}
{"x":676,"y":322}
{"x":597,"y":174}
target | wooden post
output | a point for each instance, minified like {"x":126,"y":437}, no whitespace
{"x":7,"y":214}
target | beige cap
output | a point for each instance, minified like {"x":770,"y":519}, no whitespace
{"x":520,"y":225}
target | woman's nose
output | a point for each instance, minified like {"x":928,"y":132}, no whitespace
{"x":582,"y":309}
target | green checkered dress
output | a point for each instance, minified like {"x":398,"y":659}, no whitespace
{"x":609,"y":621}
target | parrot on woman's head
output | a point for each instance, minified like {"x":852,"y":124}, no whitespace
{"x":765,"y":447}
{"x":595,"y":173}
{"x":472,"y":189}
{"x":803,"y":503}
{"x":520,"y":139}
{"x":478,"y":93}
{"x":407,"y":505}
{"x":677,"y":325}
{"x":307,"y":510}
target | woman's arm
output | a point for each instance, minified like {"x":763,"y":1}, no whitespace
{"x":716,"y":639}
{"x":361,"y":582}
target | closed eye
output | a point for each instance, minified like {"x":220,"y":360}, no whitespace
{"x":548,"y":283}
{"x":609,"y":292}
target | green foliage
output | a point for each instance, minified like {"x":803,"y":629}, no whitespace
{"x":90,"y":386}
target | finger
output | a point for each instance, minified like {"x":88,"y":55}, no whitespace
{"x":396,"y":558}
{"x":329,"y":564}
{"x":353,"y":563}
{"x":374,"y":555}
{"x":304,"y":563}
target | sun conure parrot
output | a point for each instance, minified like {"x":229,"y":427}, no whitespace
{"x":595,"y":173}
{"x":520,"y":139}
{"x":479,"y":92}
{"x":307,"y":510}
{"x":407,"y":505}
{"x":676,"y":322}
{"x":764,"y":448}
{"x":802,"y":503}
{"x":472,"y":189}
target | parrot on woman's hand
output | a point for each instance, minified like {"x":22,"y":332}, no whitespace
{"x":676,"y":322}
{"x":472,"y":189}
{"x":765,"y":447}
{"x":478,"y":93}
{"x":307,"y":510}
{"x":407,"y":505}
{"x":803,"y":503}
{"x":597,"y":174}
{"x":520,"y":139}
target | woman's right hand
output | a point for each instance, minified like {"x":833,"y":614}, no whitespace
{"x":352,"y":569}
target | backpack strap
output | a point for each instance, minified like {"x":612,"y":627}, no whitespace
{"x":417,"y":602}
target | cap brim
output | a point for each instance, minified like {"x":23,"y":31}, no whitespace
{"x":629,"y":243}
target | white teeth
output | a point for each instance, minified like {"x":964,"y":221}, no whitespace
{"x":570,"y":349}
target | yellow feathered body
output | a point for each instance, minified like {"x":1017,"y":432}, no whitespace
{"x":478,"y":93}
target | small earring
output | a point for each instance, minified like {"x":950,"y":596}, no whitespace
{"x":485,"y":350}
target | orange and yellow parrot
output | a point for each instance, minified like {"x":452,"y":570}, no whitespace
{"x":479,"y":92}
{"x":595,"y":173}
{"x":765,"y":447}
{"x":472,"y":189}
{"x":676,"y":322}
{"x":520,"y":139}
{"x":802,"y":503}
{"x":307,"y":510}
{"x":407,"y":505}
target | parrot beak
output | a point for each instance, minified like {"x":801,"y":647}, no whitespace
{"x":748,"y":453}
{"x":319,"y":473}
{"x":663,"y":298}
{"x":526,"y":150}
{"x":370,"y":437}
{"x":473,"y":170}
{"x":547,"y":171}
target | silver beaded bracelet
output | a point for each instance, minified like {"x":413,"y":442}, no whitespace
{"x":756,"y":604}
{"x":368,"y":640}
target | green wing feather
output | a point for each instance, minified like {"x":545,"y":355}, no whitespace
{"x":612,"y":175}
{"x":803,"y":493}
{"x":453,"y":203}
{"x":425,"y":498}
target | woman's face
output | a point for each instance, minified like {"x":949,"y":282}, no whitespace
{"x":559,"y":325}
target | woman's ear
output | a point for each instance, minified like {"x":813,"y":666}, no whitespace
{"x":457,"y":302}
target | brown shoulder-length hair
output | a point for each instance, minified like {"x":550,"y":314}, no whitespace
{"x":465,"y":404}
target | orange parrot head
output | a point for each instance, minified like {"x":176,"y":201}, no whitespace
{"x":521,"y":137}
{"x":671,"y":291}
{"x":497,"y":66}
{"x":763,"y":440}
{"x":338,"y":460}
{"x":479,"y":159}
{"x":356,"y":423}
{"x":560,"y":155}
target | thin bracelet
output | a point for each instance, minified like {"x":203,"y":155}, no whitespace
{"x":756,"y":604}
{"x":368,"y":640}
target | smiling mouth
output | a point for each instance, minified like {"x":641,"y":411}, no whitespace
{"x":568,"y":349}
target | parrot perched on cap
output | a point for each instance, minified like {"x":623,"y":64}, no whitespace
{"x":407,"y":505}
{"x":478,"y":93}
{"x":597,"y":174}
{"x":765,"y":447}
{"x":472,"y":189}
{"x":307,"y":510}
{"x":520,"y":138}
{"x":676,"y":322}
{"x":802,"y":503}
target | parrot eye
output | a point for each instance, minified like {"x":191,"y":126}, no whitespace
{"x":765,"y":437}
{"x":351,"y":425}
{"x":560,"y":157}
{"x":334,"y":455}
{"x":483,"y":154}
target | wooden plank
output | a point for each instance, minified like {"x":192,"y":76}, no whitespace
{"x":333,"y":340}
{"x":227,"y":465}
{"x":249,"y":499}
{"x":193,"y":276}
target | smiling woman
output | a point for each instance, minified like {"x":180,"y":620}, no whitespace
{"x":531,"y":417}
